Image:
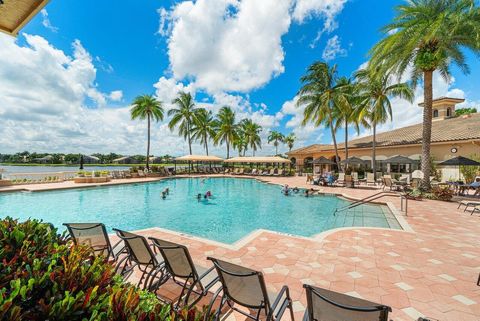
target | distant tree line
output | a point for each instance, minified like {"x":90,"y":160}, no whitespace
{"x":67,"y":159}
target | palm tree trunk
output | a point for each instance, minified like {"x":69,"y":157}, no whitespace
{"x":276,"y":148}
{"x":189,"y":138}
{"x":206,"y":145}
{"x":148,"y":142}
{"x":337,"y":159}
{"x":427,"y":128}
{"x":228,"y":149}
{"x":346,"y":140}
{"x":374,"y":146}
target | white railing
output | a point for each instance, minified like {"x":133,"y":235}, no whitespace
{"x":39,"y":178}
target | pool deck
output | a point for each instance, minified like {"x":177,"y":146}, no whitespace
{"x":430,"y":270}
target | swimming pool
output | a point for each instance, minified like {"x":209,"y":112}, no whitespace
{"x":238,"y":207}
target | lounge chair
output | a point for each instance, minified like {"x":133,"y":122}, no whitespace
{"x":254,"y":172}
{"x":272,"y":172}
{"x":388,"y":182}
{"x":194,"y":279}
{"x":355,"y":178}
{"x":341,"y":179}
{"x":141,"y":173}
{"x":95,"y":235}
{"x":227,"y":171}
{"x":246,"y":288}
{"x":371,"y":179}
{"x":326,"y":305}
{"x":276,"y":173}
{"x":241,"y":171}
{"x":467,"y":204}
{"x":475,"y":209}
{"x":141,"y":255}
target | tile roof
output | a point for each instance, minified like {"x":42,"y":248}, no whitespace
{"x":452,"y":129}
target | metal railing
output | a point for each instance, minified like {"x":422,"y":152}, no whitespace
{"x":39,"y":178}
{"x":374,"y":197}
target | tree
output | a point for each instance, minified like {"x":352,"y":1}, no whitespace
{"x":465,"y":111}
{"x":227,"y":128}
{"x":321,"y":95}
{"x":290,"y":141}
{"x":276,"y":138}
{"x":240,"y":143}
{"x":375,"y":91}
{"x":184,"y":116}
{"x":204,"y":126}
{"x":427,"y":36}
{"x":149,"y":108}
{"x":251,"y":132}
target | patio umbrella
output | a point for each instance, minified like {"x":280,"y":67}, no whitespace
{"x":81,"y":161}
{"x":459,"y":161}
{"x":399,"y":159}
{"x":323,"y":161}
{"x":353,"y":161}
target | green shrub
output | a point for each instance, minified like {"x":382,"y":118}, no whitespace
{"x":44,"y":277}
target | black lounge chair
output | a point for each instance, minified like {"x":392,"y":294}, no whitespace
{"x":326,"y":305}
{"x":141,"y":255}
{"x":95,"y":235}
{"x":245,"y":287}
{"x":194,"y":279}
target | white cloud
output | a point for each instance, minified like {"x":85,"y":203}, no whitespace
{"x":333,"y":49}
{"x":328,"y":9}
{"x":46,"y":21}
{"x":116,"y":95}
{"x":235,"y":45}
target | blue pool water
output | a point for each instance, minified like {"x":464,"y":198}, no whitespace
{"x":238,"y":207}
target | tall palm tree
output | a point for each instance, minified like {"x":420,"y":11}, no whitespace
{"x":276,"y":138}
{"x":375,"y":91}
{"x":183,"y":116}
{"x":428,"y":36}
{"x":251,"y":132}
{"x":347,"y":105}
{"x":227,"y":128}
{"x":149,"y":108}
{"x":203,"y":127}
{"x":321,"y":95}
{"x":290,"y":141}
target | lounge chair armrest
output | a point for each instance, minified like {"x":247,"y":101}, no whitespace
{"x":281,"y":303}
{"x":212,"y":282}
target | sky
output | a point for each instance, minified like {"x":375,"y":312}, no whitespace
{"x":67,"y":80}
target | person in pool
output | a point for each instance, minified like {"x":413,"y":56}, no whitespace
{"x":285,"y":190}
{"x":208,"y":194}
{"x":167,"y":191}
{"x":296,"y":190}
{"x":199,"y":197}
{"x":164,"y":195}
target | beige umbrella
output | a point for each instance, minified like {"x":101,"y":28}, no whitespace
{"x":258,"y":159}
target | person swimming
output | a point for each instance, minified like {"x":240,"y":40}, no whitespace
{"x":164,"y":195}
{"x":296,"y":190}
{"x":166,"y":191}
{"x":208,"y":194}
{"x":285,"y":190}
{"x":199,"y":196}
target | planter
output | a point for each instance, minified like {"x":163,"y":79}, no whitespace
{"x":5,"y":182}
{"x":91,"y":179}
{"x":154,"y":175}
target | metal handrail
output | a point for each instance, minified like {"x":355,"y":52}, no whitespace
{"x":365,"y":200}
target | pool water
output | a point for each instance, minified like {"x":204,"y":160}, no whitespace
{"x":238,"y":207}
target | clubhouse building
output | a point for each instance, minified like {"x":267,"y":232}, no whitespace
{"x":399,"y":150}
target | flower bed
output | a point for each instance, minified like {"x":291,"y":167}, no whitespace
{"x":44,"y":277}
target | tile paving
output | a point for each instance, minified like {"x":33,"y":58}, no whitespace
{"x":429,"y":271}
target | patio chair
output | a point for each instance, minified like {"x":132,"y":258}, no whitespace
{"x":355,"y":178}
{"x":193,"y":279}
{"x":467,"y":204}
{"x":241,"y":171}
{"x":127,"y":174}
{"x":371,"y":179}
{"x":326,"y":305}
{"x":141,"y":173}
{"x":227,"y":171}
{"x":95,"y":235}
{"x":475,"y":209}
{"x":272,"y":172}
{"x":140,"y":255}
{"x":388,"y":182}
{"x":254,"y":172}
{"x":246,"y":288}
{"x":341,"y":179}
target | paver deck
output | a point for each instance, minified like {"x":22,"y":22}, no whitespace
{"x":430,"y":271}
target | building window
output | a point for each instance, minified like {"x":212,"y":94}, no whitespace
{"x":435,"y":113}
{"x":449,"y":113}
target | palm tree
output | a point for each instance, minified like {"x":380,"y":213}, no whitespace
{"x":321,"y":96}
{"x":147,"y":107}
{"x":375,"y":91}
{"x":290,"y":140}
{"x":428,"y":36}
{"x":203,"y":127}
{"x":184,"y":116}
{"x":347,"y":105}
{"x":251,"y":132}
{"x":227,"y":129}
{"x":276,"y":138}
{"x":240,"y":143}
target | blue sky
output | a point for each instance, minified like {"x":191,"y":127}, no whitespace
{"x":247,"y":54}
